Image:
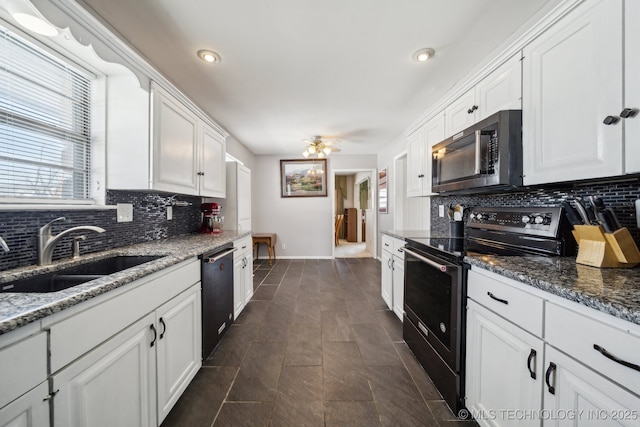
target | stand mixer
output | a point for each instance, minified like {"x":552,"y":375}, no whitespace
{"x":211,"y":219}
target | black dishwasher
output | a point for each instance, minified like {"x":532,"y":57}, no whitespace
{"x":217,"y":296}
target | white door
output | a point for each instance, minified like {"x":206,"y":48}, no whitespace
{"x":572,"y":81}
{"x":179,"y":347}
{"x":632,"y":85}
{"x":386,"y":279}
{"x":175,"y":142}
{"x":29,"y":410}
{"x":398,"y":286}
{"x":501,"y":361}
{"x":244,"y":198}
{"x":584,"y":397}
{"x":415,"y":155}
{"x":501,"y":90}
{"x":212,"y":163}
{"x":113,"y":385}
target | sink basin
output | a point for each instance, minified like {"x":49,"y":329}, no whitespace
{"x":72,"y":276}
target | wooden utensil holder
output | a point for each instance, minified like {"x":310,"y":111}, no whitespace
{"x":599,"y":249}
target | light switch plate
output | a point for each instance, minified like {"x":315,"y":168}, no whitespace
{"x":441,"y":211}
{"x":124,"y":212}
{"x":169,"y":213}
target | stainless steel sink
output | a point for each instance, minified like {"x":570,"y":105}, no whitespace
{"x":72,"y":276}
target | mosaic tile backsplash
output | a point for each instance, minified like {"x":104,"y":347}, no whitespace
{"x":620,"y":196}
{"x":20,"y":228}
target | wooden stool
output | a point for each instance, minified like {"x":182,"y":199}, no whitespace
{"x":269,"y":239}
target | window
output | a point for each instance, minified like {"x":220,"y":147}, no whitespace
{"x":44,"y":124}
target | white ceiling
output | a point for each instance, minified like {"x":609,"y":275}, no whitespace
{"x":292,"y":69}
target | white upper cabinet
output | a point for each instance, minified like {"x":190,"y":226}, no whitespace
{"x":157,"y":142}
{"x":632,"y":86}
{"x":500,"y":90}
{"x":419,"y":145}
{"x":174,"y":134}
{"x":188,"y":155}
{"x":213,"y":152}
{"x":572,"y":86}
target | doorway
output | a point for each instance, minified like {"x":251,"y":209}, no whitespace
{"x":354,"y":198}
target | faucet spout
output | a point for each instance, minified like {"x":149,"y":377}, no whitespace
{"x":47,"y":242}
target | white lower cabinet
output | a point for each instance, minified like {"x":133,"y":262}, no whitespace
{"x":29,"y":410}
{"x":135,"y":378}
{"x":392,"y":274}
{"x":113,"y":384}
{"x":242,"y":274}
{"x":576,"y":395}
{"x":503,"y":368}
{"x":586,"y":363}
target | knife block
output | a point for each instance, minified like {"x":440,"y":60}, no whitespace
{"x":611,"y":250}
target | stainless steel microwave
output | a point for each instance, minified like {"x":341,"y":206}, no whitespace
{"x":482,"y":158}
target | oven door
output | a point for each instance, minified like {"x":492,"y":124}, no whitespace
{"x":434,"y":301}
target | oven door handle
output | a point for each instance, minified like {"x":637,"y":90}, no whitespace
{"x":441,"y":267}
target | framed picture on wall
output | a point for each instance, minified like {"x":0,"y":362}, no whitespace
{"x":303,"y":178}
{"x":382,"y":191}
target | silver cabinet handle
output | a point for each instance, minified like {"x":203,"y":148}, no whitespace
{"x":217,"y":257}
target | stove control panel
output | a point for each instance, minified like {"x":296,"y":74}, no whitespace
{"x":527,"y":220}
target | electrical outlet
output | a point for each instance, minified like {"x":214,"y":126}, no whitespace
{"x":284,"y":246}
{"x":169,"y":213}
{"x":638,"y":213}
{"x":124,"y":212}
{"x":441,"y":211}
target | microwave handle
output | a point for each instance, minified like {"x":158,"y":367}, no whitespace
{"x":478,"y":150}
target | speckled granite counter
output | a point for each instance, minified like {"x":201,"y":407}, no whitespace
{"x":19,"y":309}
{"x":407,"y":234}
{"x":615,"y":291}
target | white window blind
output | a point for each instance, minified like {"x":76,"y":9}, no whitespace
{"x":44,"y":124}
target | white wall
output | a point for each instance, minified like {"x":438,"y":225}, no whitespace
{"x":303,"y":224}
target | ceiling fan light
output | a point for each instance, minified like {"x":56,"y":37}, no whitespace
{"x":305,"y":154}
{"x":311,"y":149}
{"x":321,"y":155}
{"x":327,"y":150}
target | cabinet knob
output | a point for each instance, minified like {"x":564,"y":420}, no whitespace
{"x":628,"y":112}
{"x":472,"y":109}
{"x":611,"y":120}
{"x":421,"y":176}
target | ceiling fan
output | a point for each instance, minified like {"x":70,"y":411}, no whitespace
{"x":320,"y":147}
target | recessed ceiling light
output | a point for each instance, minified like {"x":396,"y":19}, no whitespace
{"x":423,"y":54}
{"x":209,"y":56}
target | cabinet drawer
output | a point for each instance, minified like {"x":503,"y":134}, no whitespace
{"x":515,"y":305}
{"x":398,"y":244}
{"x":24,"y":366}
{"x":244,"y":245}
{"x":576,"y":334}
{"x":387,"y":243}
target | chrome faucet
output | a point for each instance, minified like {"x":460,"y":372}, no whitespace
{"x":46,"y":242}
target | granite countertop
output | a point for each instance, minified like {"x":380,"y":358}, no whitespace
{"x":407,"y":234}
{"x":19,"y":309}
{"x":615,"y":291}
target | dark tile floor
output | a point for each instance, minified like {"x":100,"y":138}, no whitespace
{"x":316,"y":346}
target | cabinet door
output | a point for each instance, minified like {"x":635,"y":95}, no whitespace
{"x":238,"y":285}
{"x":572,"y":80}
{"x":244,"y":198}
{"x":461,"y":113}
{"x":415,"y":163}
{"x":179,"y":348}
{"x":500,"y":90}
{"x":433,"y":134}
{"x":212,"y":163}
{"x":248,"y":276}
{"x":398,"y":286}
{"x":501,"y":363}
{"x":632,"y":85}
{"x":175,"y":142}
{"x":30,"y":410}
{"x":113,"y":385}
{"x":386,"y":279}
{"x":585,"y":397}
